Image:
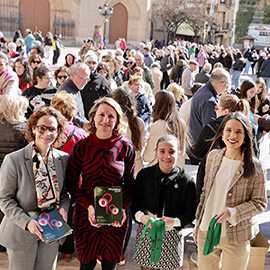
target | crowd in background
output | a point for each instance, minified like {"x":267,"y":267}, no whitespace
{"x":183,"y":89}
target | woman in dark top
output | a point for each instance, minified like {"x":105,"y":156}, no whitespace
{"x":12,"y":124}
{"x":163,"y":192}
{"x":238,"y":67}
{"x":104,"y":158}
{"x":41,"y":92}
{"x":264,"y":101}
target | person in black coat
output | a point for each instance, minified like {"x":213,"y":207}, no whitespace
{"x":97,"y":87}
{"x":163,"y":191}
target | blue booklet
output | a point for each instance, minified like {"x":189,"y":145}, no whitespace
{"x":52,"y":223}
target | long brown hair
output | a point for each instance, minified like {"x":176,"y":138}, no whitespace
{"x":126,"y":101}
{"x":245,"y":86}
{"x":165,"y":109}
{"x":247,"y":147}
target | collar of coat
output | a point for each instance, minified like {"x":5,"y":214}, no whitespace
{"x":217,"y":157}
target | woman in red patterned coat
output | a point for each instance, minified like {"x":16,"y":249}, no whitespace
{"x":104,"y":158}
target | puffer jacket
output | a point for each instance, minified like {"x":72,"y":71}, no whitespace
{"x":11,"y":138}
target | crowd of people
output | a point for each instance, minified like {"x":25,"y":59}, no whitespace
{"x":131,"y":118}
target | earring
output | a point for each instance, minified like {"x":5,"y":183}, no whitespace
{"x":93,"y":124}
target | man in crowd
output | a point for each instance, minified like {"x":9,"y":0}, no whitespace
{"x":204,"y":75}
{"x":29,"y":41}
{"x":96,"y":87}
{"x":148,"y":58}
{"x":205,"y":100}
{"x":79,"y":77}
{"x":188,"y":77}
{"x":166,"y":64}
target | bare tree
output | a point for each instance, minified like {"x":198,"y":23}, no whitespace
{"x":172,"y":14}
{"x":175,"y":12}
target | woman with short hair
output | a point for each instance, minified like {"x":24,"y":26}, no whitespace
{"x":32,"y":179}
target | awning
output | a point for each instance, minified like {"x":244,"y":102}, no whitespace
{"x":185,"y":29}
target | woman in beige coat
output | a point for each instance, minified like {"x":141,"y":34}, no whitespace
{"x":234,"y":192}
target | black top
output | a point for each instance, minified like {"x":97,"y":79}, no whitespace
{"x":38,"y":97}
{"x":96,"y":88}
{"x":172,"y":195}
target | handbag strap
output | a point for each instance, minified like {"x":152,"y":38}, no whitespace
{"x":68,"y":138}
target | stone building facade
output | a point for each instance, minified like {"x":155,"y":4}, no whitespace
{"x":75,"y":19}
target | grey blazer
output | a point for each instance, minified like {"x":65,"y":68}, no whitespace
{"x":18,"y":195}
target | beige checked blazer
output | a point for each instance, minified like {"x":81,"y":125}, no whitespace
{"x":246,"y":195}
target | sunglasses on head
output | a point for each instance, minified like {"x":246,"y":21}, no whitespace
{"x":36,"y":62}
{"x":62,"y":76}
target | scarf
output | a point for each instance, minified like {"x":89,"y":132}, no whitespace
{"x":156,"y":234}
{"x":212,"y":237}
{"x":46,"y":183}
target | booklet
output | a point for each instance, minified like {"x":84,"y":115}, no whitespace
{"x":52,"y":223}
{"x":108,"y":204}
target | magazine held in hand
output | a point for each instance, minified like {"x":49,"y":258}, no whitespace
{"x":108,"y":204}
{"x":52,"y":223}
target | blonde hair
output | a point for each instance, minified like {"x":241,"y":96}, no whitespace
{"x":176,"y":89}
{"x":120,"y":126}
{"x":233,"y":104}
{"x":134,"y":78}
{"x":65,"y":103}
{"x":12,"y":108}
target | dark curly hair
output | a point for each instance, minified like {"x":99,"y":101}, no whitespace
{"x":34,"y":118}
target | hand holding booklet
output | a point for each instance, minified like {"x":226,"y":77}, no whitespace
{"x":108,"y":204}
{"x":52,"y":223}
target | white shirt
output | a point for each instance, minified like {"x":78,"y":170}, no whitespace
{"x":216,"y":202}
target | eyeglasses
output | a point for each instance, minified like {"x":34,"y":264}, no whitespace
{"x":62,"y":76}
{"x":130,"y":63}
{"x":83,"y":78}
{"x":42,"y":129}
{"x":36,"y":62}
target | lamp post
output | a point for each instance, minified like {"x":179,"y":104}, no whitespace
{"x":106,"y":13}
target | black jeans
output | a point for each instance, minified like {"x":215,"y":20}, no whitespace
{"x":56,"y":55}
{"x":105,"y":265}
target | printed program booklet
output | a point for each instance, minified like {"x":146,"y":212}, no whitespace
{"x":108,"y":204}
{"x":52,"y":223}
